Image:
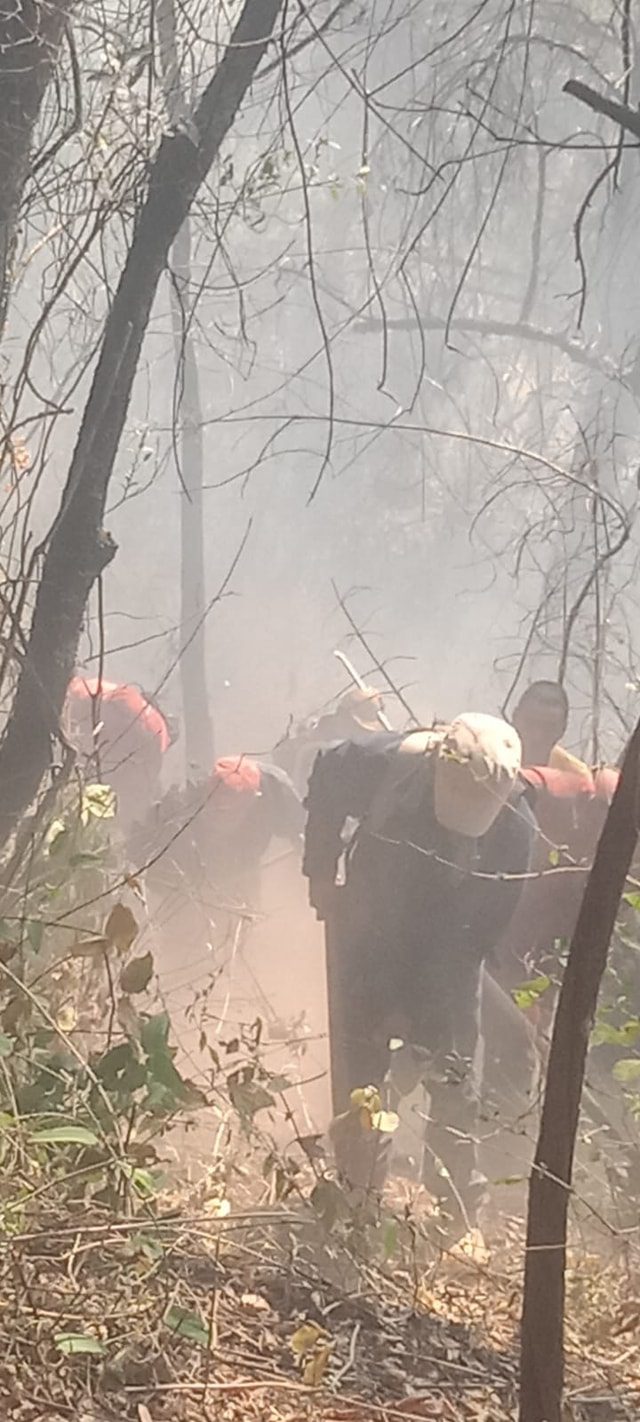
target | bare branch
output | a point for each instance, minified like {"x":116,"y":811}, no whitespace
{"x":628,"y":119}
{"x":512,"y":330}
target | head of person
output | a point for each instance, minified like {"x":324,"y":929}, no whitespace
{"x":236,"y":783}
{"x":121,"y":738}
{"x":477,"y":764}
{"x":357,"y":710}
{"x":540,"y":718}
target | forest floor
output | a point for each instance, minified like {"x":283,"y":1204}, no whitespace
{"x":191,"y":1313}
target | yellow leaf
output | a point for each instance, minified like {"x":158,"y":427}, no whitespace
{"x":305,"y":1338}
{"x":67,"y":1017}
{"x":218,"y":1207}
{"x":316,"y":1366}
{"x":367,"y":1097}
{"x":385,"y":1121}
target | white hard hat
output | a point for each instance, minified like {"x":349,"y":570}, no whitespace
{"x":477,"y":765}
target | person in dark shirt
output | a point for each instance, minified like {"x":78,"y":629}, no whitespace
{"x":219,"y":830}
{"x":427,"y":891}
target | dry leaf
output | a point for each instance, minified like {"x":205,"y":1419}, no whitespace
{"x":121,"y":927}
{"x":138,"y":974}
{"x":306,"y":1337}
{"x":67,"y":1017}
{"x":316,"y":1365}
{"x":255,"y":1303}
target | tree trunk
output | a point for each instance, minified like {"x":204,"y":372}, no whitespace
{"x":198,"y":731}
{"x":78,"y":548}
{"x":542,"y":1356}
{"x":30,"y":35}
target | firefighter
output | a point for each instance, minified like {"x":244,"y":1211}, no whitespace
{"x":540,"y":718}
{"x":355,"y":718}
{"x":442,"y":819}
{"x":121,"y":736}
{"x":217,"y":832}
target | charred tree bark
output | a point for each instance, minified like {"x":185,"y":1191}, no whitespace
{"x":542,"y":1356}
{"x":30,"y":35}
{"x":77,"y":547}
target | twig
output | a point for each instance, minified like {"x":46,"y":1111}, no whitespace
{"x":376,"y":662}
{"x":352,"y":1354}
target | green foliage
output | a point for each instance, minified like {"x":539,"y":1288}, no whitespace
{"x":65,"y":1135}
{"x":527,"y":994}
{"x":627,"y":1071}
{"x":73,"y":1344}
{"x":83,"y":1119}
{"x":605,"y":1034}
{"x":137,"y":974}
{"x":187,"y":1324}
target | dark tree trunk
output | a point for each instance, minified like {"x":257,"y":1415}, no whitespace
{"x":30,"y":35}
{"x":542,"y":1355}
{"x":78,"y":548}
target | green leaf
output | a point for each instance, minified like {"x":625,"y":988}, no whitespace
{"x":626,"y":1036}
{"x":248,"y":1097}
{"x":160,"y":1069}
{"x":527,"y":994}
{"x":7,"y":1044}
{"x":154,"y":1033}
{"x":149,"y":1245}
{"x":145,"y":1183}
{"x":554,"y":858}
{"x":389,"y":1238}
{"x":73,"y":1343}
{"x":65,"y":1135}
{"x":633,"y":900}
{"x":627,"y":1070}
{"x":280,"y":1083}
{"x":187,"y":1325}
{"x":137,"y":974}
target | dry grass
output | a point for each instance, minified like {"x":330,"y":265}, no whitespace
{"x":425,"y":1334}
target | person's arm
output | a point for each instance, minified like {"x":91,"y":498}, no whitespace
{"x":343,"y":782}
{"x":506,"y":852}
{"x":285,"y":808}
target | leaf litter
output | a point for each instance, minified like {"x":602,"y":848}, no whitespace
{"x":259,"y":1313}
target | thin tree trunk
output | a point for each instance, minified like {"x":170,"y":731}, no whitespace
{"x":542,"y":1353}
{"x":198,"y":730}
{"x":30,"y":35}
{"x":78,"y":549}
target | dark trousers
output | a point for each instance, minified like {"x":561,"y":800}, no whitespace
{"x":376,"y":991}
